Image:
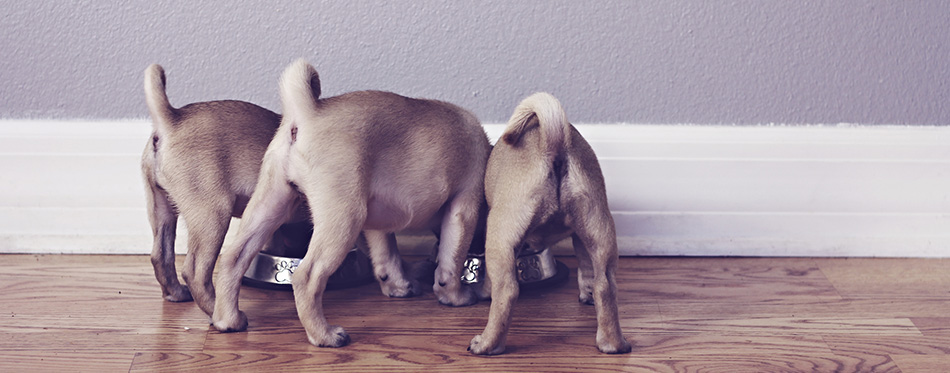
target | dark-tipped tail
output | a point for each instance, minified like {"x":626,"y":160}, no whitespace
{"x":546,"y":110}
{"x":299,"y":89}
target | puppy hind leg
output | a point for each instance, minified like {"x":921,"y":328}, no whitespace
{"x":457,"y":230}
{"x":599,"y":239}
{"x":206,"y":231}
{"x":585,"y":271}
{"x":164,"y":221}
{"x":388,"y":266}
{"x":272,"y":204}
{"x":503,"y":238}
{"x":328,"y":247}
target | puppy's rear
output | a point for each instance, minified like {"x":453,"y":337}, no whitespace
{"x":202,"y":162}
{"x":529,"y":161}
{"x":162,"y":213}
{"x":367,"y":161}
{"x":543,"y":184}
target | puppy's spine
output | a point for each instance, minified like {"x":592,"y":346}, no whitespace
{"x":551,"y":119}
{"x":299,"y":90}
{"x":163,"y":114}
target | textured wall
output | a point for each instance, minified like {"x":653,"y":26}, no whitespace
{"x":671,"y":61}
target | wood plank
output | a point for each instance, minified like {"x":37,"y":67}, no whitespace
{"x":738,"y":280}
{"x":923,"y":363}
{"x":879,"y":351}
{"x":863,"y":307}
{"x":776,"y":325}
{"x":936,"y":326}
{"x":42,"y":360}
{"x":891,"y":345}
{"x":894,"y":278}
{"x":103,"y":340}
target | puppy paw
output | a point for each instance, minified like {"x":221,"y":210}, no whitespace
{"x":178,"y":293}
{"x":586,"y":298}
{"x":615,"y":347}
{"x":478,"y":347}
{"x":465,"y":296}
{"x":400,"y":288}
{"x":334,"y":336}
{"x":237,"y":323}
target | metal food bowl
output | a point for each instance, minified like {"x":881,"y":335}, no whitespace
{"x":274,"y":272}
{"x":534,"y":269}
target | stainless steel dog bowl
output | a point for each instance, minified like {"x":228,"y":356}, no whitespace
{"x":535,"y":269}
{"x":274,"y":272}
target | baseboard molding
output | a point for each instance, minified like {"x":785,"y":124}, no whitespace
{"x":75,"y":187}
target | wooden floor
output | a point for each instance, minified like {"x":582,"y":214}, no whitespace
{"x":105,"y":313}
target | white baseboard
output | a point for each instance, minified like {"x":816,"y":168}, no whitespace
{"x":75,"y":187}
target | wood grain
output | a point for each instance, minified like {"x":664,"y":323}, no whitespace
{"x":105,"y":313}
{"x":923,"y":363}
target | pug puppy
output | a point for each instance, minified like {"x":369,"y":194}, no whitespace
{"x":202,"y":163}
{"x":364,"y":161}
{"x":543,"y":184}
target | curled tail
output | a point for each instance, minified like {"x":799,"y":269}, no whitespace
{"x":299,"y":89}
{"x":546,"y":110}
{"x":163,"y":114}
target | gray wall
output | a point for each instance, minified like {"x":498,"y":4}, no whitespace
{"x":670,"y":61}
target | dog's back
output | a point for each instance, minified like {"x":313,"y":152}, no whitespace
{"x":406,"y":147}
{"x":217,"y":144}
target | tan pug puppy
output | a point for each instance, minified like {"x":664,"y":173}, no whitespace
{"x":364,"y":161}
{"x":543,"y":184}
{"x":201,"y":162}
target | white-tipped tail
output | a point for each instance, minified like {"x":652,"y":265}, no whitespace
{"x":551,"y":119}
{"x":299,"y":89}
{"x":158,"y":107}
